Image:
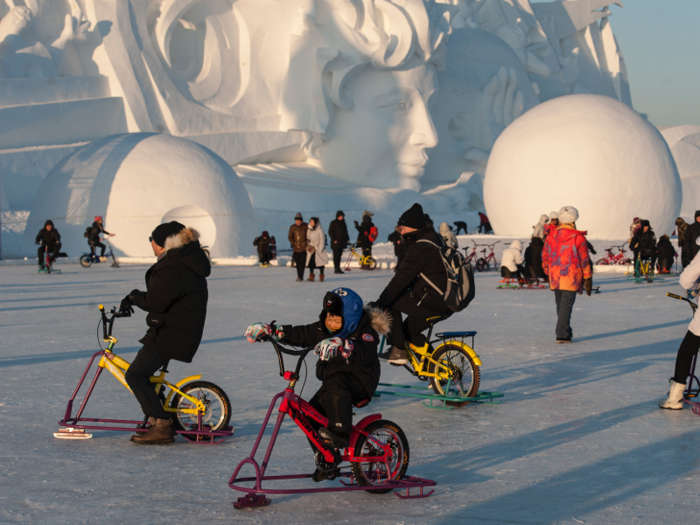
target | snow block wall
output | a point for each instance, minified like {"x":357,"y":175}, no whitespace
{"x":588,"y":151}
{"x":136,"y":182}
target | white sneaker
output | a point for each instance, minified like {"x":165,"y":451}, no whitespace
{"x":675,"y":396}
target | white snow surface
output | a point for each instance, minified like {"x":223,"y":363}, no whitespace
{"x":577,"y":438}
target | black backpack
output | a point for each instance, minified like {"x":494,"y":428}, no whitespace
{"x":87,"y":233}
{"x":460,"y":278}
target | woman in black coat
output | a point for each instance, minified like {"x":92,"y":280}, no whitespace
{"x":666,"y":254}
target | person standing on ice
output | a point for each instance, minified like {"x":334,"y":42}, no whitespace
{"x":565,"y":259}
{"x":690,"y":281}
{"x":691,"y":237}
{"x":297,"y":238}
{"x":538,"y":229}
{"x":316,"y":255}
{"x":682,"y":230}
{"x":176,"y":299}
{"x":338,"y":232}
{"x":367,"y":233}
{"x":484,"y":224}
{"x":346,"y":337}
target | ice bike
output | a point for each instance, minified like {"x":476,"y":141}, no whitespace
{"x":201,"y":409}
{"x":453,"y":369}
{"x":485,"y":261}
{"x":378,"y":453}
{"x":366,"y":262}
{"x":47,"y":263}
{"x":88,"y":259}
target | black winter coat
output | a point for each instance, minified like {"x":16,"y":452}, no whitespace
{"x":263,"y":244}
{"x":692,"y":233}
{"x":338,"y":233}
{"x":363,"y":362}
{"x":533,"y":256}
{"x":644,"y":242}
{"x":666,"y":251}
{"x":420,"y":257}
{"x":396,"y":239}
{"x":363,"y":230}
{"x":48,"y":238}
{"x":176,"y":301}
{"x":95,"y":230}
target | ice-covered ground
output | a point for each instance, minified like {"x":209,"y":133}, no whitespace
{"x":578,"y":437}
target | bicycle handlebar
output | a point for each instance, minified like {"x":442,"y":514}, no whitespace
{"x":108,"y":322}
{"x":693,"y":305}
{"x":279,"y":349}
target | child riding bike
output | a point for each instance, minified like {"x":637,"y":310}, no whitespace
{"x":93,"y":236}
{"x":346,"y":338}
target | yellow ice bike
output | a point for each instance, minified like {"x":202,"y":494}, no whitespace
{"x":452,"y":368}
{"x":201,"y":410}
{"x":366,"y":262}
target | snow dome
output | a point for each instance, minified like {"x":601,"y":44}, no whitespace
{"x":138,"y":181}
{"x":588,"y":151}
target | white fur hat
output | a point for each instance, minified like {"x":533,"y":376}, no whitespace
{"x":568,"y":215}
{"x":554,"y":215}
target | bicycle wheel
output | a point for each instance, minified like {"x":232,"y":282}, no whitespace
{"x":370,"y":263}
{"x":649,"y":274}
{"x":481,"y":264}
{"x":464,"y":373}
{"x":367,"y":474}
{"x":216,"y":402}
{"x":602,"y":262}
{"x":85,"y":261}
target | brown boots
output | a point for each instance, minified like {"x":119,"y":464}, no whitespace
{"x":321,"y":277}
{"x":158,"y":433}
{"x":311,"y":278}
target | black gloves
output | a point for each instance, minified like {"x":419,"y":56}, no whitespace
{"x":125,"y":307}
{"x":588,"y":286}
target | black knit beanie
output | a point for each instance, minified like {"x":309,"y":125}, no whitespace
{"x":163,"y":231}
{"x":413,"y":217}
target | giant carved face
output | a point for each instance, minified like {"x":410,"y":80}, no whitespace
{"x":384,"y":140}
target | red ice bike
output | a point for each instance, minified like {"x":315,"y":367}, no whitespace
{"x":377,"y":454}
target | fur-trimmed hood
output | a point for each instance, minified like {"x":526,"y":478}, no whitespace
{"x":181,"y":238}
{"x":380,"y":319}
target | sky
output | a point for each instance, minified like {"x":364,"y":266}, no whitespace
{"x":660,"y":41}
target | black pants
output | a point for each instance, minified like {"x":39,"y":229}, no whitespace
{"x":665,"y":263}
{"x":419,"y":317}
{"x":299,"y":259}
{"x":485,"y":226}
{"x":366,"y":250}
{"x":335,"y":399}
{"x":565,"y":303}
{"x":264,"y":256}
{"x":138,"y":377}
{"x":94,"y":245}
{"x":508,"y":274}
{"x":689,"y":347}
{"x":312,"y":265}
{"x":53,"y":250}
{"x":337,"y":256}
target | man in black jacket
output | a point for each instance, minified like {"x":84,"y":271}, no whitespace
{"x":176,"y":301}
{"x":409,"y":292}
{"x":49,"y":240}
{"x":691,"y":235}
{"x":346,"y":338}
{"x":643,"y":243}
{"x":338,"y":232}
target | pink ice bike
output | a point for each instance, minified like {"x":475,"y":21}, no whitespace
{"x":377,"y":455}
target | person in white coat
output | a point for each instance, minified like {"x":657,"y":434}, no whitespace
{"x":690,"y":280}
{"x":512,"y":261}
{"x":449,"y":237}
{"x":538,"y":229}
{"x":316,"y":255}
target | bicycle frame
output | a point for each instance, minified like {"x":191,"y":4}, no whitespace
{"x":363,"y":260}
{"x":301,"y":413}
{"x":118,"y":367}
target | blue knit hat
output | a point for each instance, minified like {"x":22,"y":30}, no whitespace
{"x":344,"y":302}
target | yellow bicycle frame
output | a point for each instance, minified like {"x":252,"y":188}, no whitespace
{"x":421,"y":357}
{"x":118,"y":367}
{"x":362,"y":259}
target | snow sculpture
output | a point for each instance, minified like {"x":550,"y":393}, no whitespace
{"x":482,"y":91}
{"x":684,"y":142}
{"x":23,"y":55}
{"x":590,"y":151}
{"x":369,"y":72}
{"x":137,"y":181}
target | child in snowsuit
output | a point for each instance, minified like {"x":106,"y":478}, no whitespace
{"x":346,"y":338}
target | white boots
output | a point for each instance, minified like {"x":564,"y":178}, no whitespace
{"x":675,"y":396}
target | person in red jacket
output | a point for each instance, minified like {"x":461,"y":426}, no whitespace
{"x":565,"y":259}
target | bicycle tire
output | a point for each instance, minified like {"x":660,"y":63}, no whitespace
{"x":649,"y":274}
{"x":602,"y":262}
{"x":371,"y":264}
{"x":85,"y":261}
{"x":367,"y":474}
{"x":209,"y":393}
{"x":466,"y":374}
{"x":481,"y":264}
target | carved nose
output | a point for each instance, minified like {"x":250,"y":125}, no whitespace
{"x":424,"y":130}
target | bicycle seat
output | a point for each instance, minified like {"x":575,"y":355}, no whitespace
{"x":361,"y":404}
{"x":444,"y":335}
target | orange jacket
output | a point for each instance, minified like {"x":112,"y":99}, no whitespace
{"x":565,"y":259}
